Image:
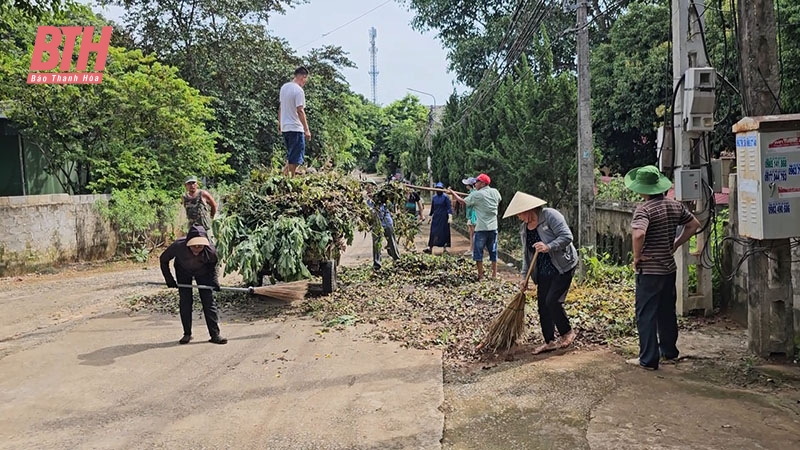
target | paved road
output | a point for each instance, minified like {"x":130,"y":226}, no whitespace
{"x":78,"y":372}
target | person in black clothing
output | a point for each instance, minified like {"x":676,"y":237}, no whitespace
{"x":195,"y":257}
{"x":545,"y":231}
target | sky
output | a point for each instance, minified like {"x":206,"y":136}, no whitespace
{"x":406,"y":57}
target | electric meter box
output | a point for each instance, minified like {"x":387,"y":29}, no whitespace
{"x":688,"y":184}
{"x":698,"y":99}
{"x":768,"y":176}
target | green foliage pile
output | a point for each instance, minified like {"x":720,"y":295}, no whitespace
{"x":276,"y":225}
{"x":427,"y":301}
{"x":601,"y":304}
{"x":436,"y":301}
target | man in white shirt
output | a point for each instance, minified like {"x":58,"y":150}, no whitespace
{"x":292,"y":121}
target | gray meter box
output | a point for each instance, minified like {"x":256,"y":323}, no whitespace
{"x":698,"y":99}
{"x":688,"y":184}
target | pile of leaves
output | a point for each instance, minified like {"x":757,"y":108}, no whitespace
{"x":427,"y":301}
{"x":433,"y":301}
{"x":276,"y":225}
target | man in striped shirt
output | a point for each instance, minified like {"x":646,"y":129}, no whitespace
{"x":654,"y":226}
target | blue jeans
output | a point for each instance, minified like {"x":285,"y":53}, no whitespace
{"x":485,"y":239}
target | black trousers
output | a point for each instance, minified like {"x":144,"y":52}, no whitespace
{"x":206,"y":297}
{"x":552,"y":291}
{"x":656,"y":320}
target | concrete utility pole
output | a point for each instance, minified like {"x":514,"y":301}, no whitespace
{"x":690,"y":150}
{"x":587,"y":236}
{"x":429,"y":134}
{"x":768,"y":274}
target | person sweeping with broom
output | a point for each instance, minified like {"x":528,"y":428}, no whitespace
{"x":195,"y":257}
{"x":546,"y":232}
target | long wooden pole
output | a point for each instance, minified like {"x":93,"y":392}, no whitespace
{"x":425,"y":188}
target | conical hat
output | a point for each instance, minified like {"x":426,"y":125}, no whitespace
{"x":522,"y":202}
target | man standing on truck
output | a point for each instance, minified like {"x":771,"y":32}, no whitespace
{"x":292,"y":123}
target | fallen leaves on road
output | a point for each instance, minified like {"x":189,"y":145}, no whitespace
{"x":429,"y":301}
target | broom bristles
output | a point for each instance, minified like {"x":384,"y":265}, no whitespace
{"x":508,"y":327}
{"x":287,"y":292}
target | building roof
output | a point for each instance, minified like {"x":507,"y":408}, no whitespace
{"x":720,"y":198}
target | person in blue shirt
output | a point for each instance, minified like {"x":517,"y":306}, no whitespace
{"x":472,"y":217}
{"x":384,"y":216}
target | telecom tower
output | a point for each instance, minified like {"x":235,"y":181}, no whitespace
{"x":373,"y":64}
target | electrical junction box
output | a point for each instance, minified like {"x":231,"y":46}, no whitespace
{"x":716,"y":175}
{"x":768,"y":176}
{"x":698,"y":99}
{"x":688,"y":184}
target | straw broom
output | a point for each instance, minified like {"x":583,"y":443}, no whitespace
{"x":287,"y":292}
{"x":507,"y":328}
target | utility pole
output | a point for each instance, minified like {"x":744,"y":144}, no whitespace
{"x":429,"y":134}
{"x":587,"y":236}
{"x":690,"y":151}
{"x":768,"y":272}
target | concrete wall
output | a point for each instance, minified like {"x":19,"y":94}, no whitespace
{"x":40,"y":230}
{"x":613,"y":224}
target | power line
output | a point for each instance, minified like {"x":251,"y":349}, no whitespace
{"x":492,"y":78}
{"x":324,"y":35}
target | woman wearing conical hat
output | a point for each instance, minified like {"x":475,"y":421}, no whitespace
{"x":545,"y":230}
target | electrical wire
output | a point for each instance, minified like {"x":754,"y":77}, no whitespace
{"x":672,"y":113}
{"x":780,"y":49}
{"x":493,"y":78}
{"x":702,"y":31}
{"x":324,"y":35}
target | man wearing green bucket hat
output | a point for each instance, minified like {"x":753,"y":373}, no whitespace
{"x":654,"y":226}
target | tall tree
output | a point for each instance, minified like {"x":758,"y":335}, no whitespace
{"x":788,"y":17}
{"x":404,"y":121}
{"x":143,"y":127}
{"x":225,"y":50}
{"x":525,"y":139}
{"x":491,"y":35}
{"x":631,"y":83}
